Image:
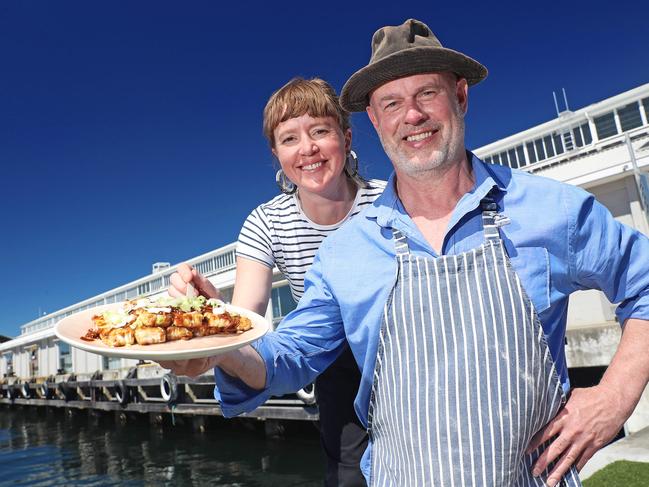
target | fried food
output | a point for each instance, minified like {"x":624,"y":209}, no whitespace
{"x":144,"y":322}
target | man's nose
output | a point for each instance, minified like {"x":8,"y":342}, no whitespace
{"x":415,"y":114}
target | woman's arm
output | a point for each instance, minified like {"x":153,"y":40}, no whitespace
{"x":252,"y":285}
{"x":251,"y":291}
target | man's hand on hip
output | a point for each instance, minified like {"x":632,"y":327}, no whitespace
{"x":588,"y":421}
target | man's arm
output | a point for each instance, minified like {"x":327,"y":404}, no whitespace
{"x":593,"y":416}
{"x":609,"y":256}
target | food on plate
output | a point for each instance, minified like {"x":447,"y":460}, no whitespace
{"x":146,"y":322}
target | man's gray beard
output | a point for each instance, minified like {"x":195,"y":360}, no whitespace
{"x":438,"y":163}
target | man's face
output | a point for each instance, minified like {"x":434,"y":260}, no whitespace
{"x":420,"y":121}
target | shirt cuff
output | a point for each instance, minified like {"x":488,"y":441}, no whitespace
{"x":637,"y":307}
{"x":234,"y":396}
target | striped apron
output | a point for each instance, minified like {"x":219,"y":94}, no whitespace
{"x":463,"y":376}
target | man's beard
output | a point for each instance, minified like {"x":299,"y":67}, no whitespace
{"x":438,"y":160}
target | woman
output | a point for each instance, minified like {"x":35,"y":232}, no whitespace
{"x":309,"y":133}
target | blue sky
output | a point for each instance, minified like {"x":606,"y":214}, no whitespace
{"x":130,"y":132}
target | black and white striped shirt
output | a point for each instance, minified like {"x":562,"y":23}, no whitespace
{"x":278,"y":233}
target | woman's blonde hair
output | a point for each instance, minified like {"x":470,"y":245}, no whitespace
{"x":314,"y":97}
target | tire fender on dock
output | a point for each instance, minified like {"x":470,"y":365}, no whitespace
{"x":25,"y":390}
{"x":169,"y":388}
{"x":307,"y":395}
{"x":44,"y":390}
{"x":122,"y":393}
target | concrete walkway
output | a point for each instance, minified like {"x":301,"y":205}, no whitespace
{"x":634,"y":448}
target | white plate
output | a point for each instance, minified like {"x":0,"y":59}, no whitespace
{"x":71,"y":328}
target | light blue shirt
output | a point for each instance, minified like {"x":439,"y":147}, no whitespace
{"x":559,"y":240}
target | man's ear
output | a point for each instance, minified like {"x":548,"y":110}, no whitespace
{"x":462,"y":93}
{"x":372,"y":115}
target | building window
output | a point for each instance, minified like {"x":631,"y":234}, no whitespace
{"x":65,"y":358}
{"x":282,"y":302}
{"x":547,"y":142}
{"x":504,"y":160}
{"x":111,"y":363}
{"x":605,"y":126}
{"x":520,"y":150}
{"x":645,"y":104}
{"x":585,"y":132}
{"x":630,"y":116}
{"x":513,"y":163}
{"x":540,"y":152}
{"x":226,"y":294}
{"x":531,"y":152}
{"x":577,"y":134}
{"x":9,"y":357}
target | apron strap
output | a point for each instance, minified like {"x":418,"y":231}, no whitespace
{"x":489,"y":217}
{"x":400,"y":243}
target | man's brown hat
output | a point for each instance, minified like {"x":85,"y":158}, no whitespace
{"x":404,"y":50}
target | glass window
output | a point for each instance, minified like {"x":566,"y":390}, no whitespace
{"x":488,"y":160}
{"x":585,"y":132}
{"x":578,"y":140}
{"x":531,"y":152}
{"x":605,"y":125}
{"x":504,"y":160}
{"x":540,"y":152}
{"x":645,"y":104}
{"x":520,"y":150}
{"x":282,"y":301}
{"x":226,"y":294}
{"x":513,"y":163}
{"x":65,"y":358}
{"x":496,"y":158}
{"x":630,"y":116}
{"x":9,"y":357}
{"x":111,"y":363}
{"x":547,"y":141}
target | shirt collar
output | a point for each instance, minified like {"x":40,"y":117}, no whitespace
{"x":388,"y":207}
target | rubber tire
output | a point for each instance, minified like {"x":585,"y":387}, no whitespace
{"x":169,"y":388}
{"x":25,"y":390}
{"x":122,"y":393}
{"x":307,"y":396}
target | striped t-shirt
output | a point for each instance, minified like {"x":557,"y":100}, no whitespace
{"x":278,"y":233}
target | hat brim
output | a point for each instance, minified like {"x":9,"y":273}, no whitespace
{"x":354,"y":96}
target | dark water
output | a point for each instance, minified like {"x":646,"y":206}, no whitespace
{"x":56,"y":447}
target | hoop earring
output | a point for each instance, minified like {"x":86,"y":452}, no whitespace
{"x":286,"y":186}
{"x":351,"y":165}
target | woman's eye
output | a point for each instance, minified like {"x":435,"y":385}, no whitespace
{"x":287,"y":140}
{"x":321,"y":131}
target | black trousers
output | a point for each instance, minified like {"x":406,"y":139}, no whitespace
{"x":342,"y":435}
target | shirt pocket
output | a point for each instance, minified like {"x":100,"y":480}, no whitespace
{"x":532,"y":265}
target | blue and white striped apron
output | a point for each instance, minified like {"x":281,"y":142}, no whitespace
{"x":463,"y":377}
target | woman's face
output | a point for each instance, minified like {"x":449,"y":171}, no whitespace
{"x":312,"y":152}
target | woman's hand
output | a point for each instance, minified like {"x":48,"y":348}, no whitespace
{"x":184,"y":275}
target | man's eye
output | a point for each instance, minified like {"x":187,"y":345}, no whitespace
{"x":390,"y":105}
{"x":428,"y":93}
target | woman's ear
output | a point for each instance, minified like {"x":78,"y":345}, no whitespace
{"x":348,"y":140}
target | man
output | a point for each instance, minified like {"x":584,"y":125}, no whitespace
{"x":452,"y":294}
